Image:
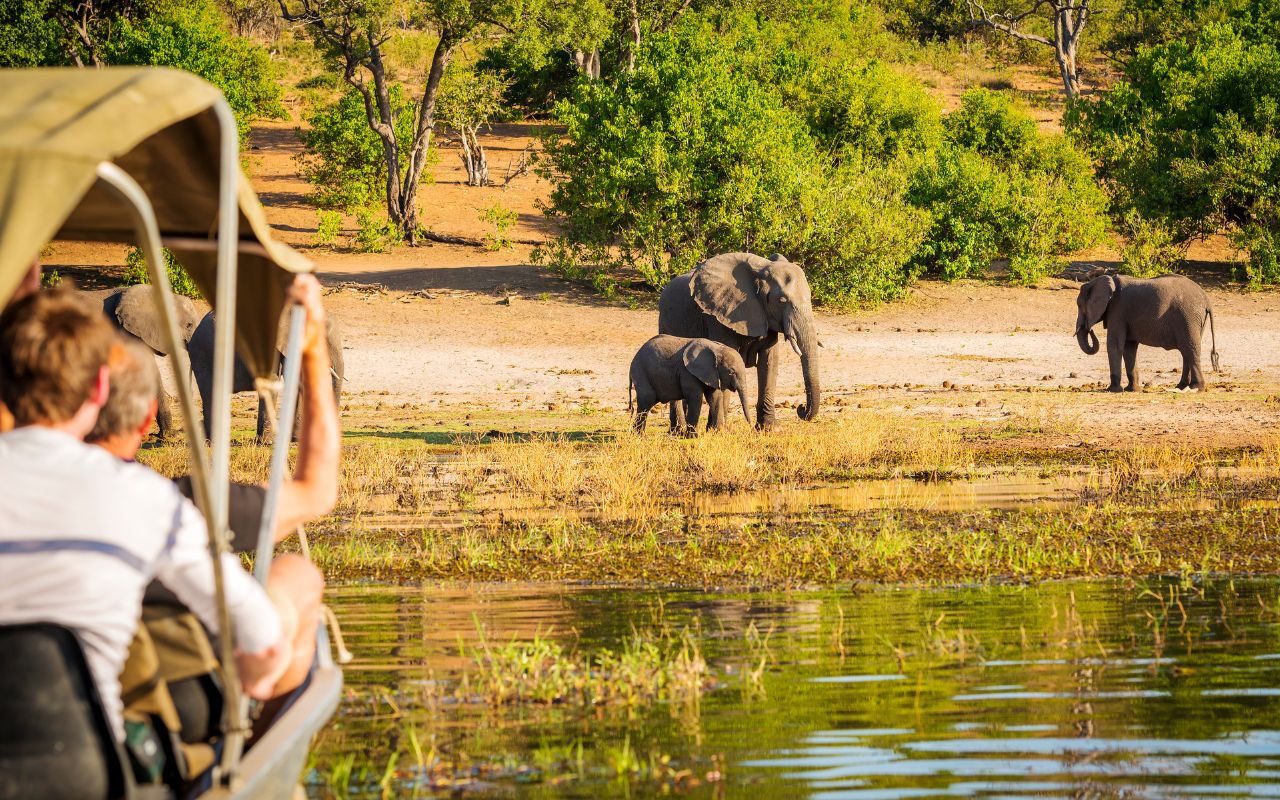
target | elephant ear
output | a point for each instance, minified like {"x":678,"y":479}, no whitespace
{"x":1104,"y":289}
{"x":725,"y":287}
{"x":700,"y":360}
{"x":136,"y":314}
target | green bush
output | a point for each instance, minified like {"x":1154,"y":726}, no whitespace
{"x":1150,"y":247}
{"x":699,"y":152}
{"x":328,"y":228}
{"x":501,"y":219}
{"x":1191,"y":139}
{"x":343,"y":159}
{"x":193,"y":36}
{"x":375,"y":233}
{"x":1000,"y":188}
{"x":870,"y":109}
{"x":135,"y":272}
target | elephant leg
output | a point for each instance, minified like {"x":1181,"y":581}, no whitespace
{"x":715,"y":407}
{"x":204,"y":387}
{"x":645,"y":401}
{"x":265,"y":433}
{"x":1185,"y":380}
{"x":694,"y":401}
{"x":1130,"y":365}
{"x":164,"y":414}
{"x":678,"y":426}
{"x":1193,"y":376}
{"x":1115,"y":348}
{"x":767,"y":380}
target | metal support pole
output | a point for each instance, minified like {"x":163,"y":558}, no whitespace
{"x":280,"y":448}
{"x":235,"y":711}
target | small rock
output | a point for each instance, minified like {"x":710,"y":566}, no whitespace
{"x":946,"y":384}
{"x":1072,"y":375}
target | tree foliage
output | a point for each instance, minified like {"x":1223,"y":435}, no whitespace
{"x":343,"y":158}
{"x":1191,"y":139}
{"x":190,"y":35}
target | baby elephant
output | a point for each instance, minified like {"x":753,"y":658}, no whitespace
{"x":671,"y":369}
{"x":1167,"y":312}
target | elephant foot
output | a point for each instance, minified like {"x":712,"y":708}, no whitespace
{"x":1114,"y":389}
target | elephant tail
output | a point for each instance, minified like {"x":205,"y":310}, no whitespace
{"x":1213,"y":339}
{"x":631,"y":406}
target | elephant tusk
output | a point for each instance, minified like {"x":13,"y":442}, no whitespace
{"x":794,"y":346}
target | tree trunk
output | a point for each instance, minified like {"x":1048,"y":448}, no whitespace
{"x":423,"y":129}
{"x":635,"y":38}
{"x":474,"y":158}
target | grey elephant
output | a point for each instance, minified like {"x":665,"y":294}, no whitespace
{"x":745,"y":301}
{"x":1167,"y":312}
{"x":133,"y":312}
{"x":684,"y":372}
{"x":200,"y":348}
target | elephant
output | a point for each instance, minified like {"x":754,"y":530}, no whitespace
{"x":744,"y":301}
{"x":132,"y":310}
{"x":200,"y":348}
{"x":1167,"y":312}
{"x":671,"y":369}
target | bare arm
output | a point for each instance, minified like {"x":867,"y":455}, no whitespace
{"x":313,"y":489}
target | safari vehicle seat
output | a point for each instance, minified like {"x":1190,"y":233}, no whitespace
{"x":55,"y":741}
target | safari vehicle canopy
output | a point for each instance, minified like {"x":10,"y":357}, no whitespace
{"x":150,"y":157}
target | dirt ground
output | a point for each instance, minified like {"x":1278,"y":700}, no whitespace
{"x":456,"y":326}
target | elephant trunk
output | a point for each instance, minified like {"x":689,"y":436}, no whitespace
{"x":804,"y":340}
{"x":742,"y":398}
{"x":1088,"y":340}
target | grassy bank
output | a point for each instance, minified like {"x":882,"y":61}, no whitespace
{"x":605,"y":506}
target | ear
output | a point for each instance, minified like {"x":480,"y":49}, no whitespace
{"x":101,"y":387}
{"x":136,"y":314}
{"x":727,"y":288}
{"x":145,"y":428}
{"x":1101,"y":290}
{"x":700,"y":360}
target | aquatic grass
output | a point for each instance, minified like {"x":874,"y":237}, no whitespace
{"x":889,"y":546}
{"x":542,"y":671}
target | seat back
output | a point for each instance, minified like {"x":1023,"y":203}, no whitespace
{"x":55,"y":741}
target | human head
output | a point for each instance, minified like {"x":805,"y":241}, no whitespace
{"x":125,"y":421}
{"x":55,"y":348}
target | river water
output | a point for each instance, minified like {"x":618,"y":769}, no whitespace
{"x":1163,"y":688}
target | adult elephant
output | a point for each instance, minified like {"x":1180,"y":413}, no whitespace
{"x":1167,"y":312}
{"x":200,"y":348}
{"x":133,"y":312}
{"x":744,"y":300}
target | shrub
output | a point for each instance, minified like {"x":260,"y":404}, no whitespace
{"x":870,"y":109}
{"x":193,"y":36}
{"x":1191,"y":138}
{"x":375,"y":233}
{"x":135,"y":272}
{"x":328,"y":228}
{"x":1001,"y":188}
{"x":343,"y":158}
{"x":501,"y":219}
{"x":1150,"y":247}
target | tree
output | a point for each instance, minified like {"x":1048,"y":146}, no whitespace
{"x":1067,"y":19}
{"x":353,"y":33}
{"x":468,"y":101}
{"x":1190,"y":140}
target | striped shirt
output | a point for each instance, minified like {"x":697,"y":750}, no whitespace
{"x":81,"y":534}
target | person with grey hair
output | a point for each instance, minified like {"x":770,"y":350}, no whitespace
{"x":124,"y":423}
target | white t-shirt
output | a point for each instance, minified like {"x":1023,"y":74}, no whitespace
{"x":81,"y":535}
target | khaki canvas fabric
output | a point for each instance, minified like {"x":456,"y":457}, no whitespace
{"x":159,"y":126}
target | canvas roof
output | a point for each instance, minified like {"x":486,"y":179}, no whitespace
{"x":158,"y":125}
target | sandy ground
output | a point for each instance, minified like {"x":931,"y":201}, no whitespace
{"x":455,"y":326}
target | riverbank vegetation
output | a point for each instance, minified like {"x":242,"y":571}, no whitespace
{"x":872,"y":141}
{"x":862,"y":497}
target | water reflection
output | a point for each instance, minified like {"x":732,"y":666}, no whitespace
{"x":1082,"y":689}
